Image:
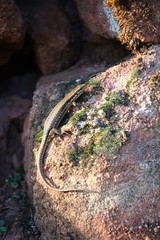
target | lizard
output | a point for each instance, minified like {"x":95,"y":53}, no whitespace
{"x":51,"y":128}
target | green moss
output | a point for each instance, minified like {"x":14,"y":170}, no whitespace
{"x":94,"y":82}
{"x":91,"y":145}
{"x":85,"y":129}
{"x":133,"y":78}
{"x":14,"y":181}
{"x":113,"y":99}
{"x":79,"y":116}
{"x":108,"y":141}
{"x":117,"y":97}
{"x":39,"y":134}
{"x":2,"y":227}
{"x":104,"y":106}
{"x":107,"y":108}
{"x":73,"y":157}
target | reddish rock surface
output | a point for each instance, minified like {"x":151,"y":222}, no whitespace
{"x":12,"y":30}
{"x":138,"y":21}
{"x":54,"y":42}
{"x":122,"y":180}
{"x":97,"y":19}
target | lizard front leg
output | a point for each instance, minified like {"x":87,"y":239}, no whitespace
{"x":52,"y":133}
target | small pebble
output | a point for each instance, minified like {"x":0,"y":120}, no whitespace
{"x":78,"y":80}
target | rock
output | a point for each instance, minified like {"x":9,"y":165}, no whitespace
{"x":138,"y":21}
{"x":116,"y":161}
{"x":12,"y":30}
{"x":55,"y":45}
{"x":13,"y":110}
{"x":97,"y":18}
{"x":76,"y":72}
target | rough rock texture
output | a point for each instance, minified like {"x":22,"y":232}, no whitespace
{"x":98,"y":19}
{"x":113,"y":152}
{"x":54,"y":41}
{"x":138,"y":21}
{"x":11,"y":30}
{"x":94,"y":58}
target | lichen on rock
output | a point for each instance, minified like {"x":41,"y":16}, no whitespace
{"x":137,"y":21}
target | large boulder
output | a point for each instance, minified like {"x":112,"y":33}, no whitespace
{"x":12,"y":30}
{"x":98,"y":19}
{"x":112,"y":153}
{"x":54,"y":41}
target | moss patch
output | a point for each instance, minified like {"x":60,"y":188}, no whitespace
{"x":79,"y":116}
{"x":114,"y":99}
{"x":14,"y":181}
{"x":133,"y":78}
{"x":2,"y":227}
{"x":94,"y":82}
{"x":39,"y":135}
{"x":107,"y":142}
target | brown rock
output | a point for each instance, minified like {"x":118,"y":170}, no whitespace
{"x":138,"y":21}
{"x":11,"y":30}
{"x":98,"y":19}
{"x":113,"y":155}
{"x":54,"y":42}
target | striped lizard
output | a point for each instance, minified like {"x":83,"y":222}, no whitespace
{"x":50,"y":128}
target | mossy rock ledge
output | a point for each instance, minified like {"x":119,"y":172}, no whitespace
{"x":112,"y":151}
